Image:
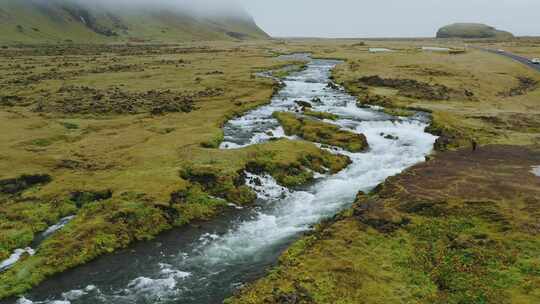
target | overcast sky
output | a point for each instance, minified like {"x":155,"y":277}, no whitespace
{"x":389,"y":18}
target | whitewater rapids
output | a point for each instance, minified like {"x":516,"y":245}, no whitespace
{"x":210,"y":268}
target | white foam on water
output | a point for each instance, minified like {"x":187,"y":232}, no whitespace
{"x":151,"y":290}
{"x":300,"y":209}
{"x":266,"y":187}
{"x":90,"y":288}
{"x":74,"y":294}
{"x":206,"y":238}
{"x":54,"y":228}
{"x":15,"y":257}
{"x":27,"y":301}
{"x":168,"y":270}
{"x":24,"y":300}
{"x":536,"y":170}
{"x":235,"y":206}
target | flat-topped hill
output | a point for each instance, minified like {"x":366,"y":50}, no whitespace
{"x":472,"y":30}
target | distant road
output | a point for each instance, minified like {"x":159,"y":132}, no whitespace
{"x":521,"y":59}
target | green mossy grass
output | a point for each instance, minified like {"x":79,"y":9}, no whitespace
{"x":321,"y":115}
{"x":98,"y":228}
{"x":459,"y":258}
{"x":321,"y":132}
{"x":140,"y":164}
{"x":420,"y":238}
{"x":103,"y":225}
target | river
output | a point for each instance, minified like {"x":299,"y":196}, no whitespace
{"x":206,"y":264}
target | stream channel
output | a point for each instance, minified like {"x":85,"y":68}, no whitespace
{"x":206,"y":264}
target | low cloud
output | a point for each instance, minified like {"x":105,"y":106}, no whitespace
{"x":200,"y":7}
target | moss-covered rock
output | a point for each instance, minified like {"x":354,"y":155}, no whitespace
{"x":290,"y":163}
{"x":321,"y":132}
{"x":224,"y":183}
{"x":194,"y":204}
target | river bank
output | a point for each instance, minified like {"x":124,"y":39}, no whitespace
{"x":211,"y":267}
{"x":121,"y":157}
{"x":142,"y":176}
{"x":460,"y":228}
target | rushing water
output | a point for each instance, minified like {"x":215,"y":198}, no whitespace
{"x":19,"y":253}
{"x":206,"y":264}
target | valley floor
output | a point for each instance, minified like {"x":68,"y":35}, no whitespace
{"x":462,"y":227}
{"x":125,"y":138}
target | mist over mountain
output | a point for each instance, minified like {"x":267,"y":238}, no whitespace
{"x":123,"y":20}
{"x":230,"y":8}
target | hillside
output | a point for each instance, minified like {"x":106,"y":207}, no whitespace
{"x":472,"y":30}
{"x":37,"y":21}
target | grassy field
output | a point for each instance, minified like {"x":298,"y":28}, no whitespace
{"x":528,"y":47}
{"x":125,"y":137}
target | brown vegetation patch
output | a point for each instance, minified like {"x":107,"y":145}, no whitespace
{"x":11,"y":100}
{"x":526,"y":84}
{"x":524,"y":122}
{"x":83,"y":164}
{"x":426,"y":71}
{"x":88,"y":100}
{"x":486,"y":181}
{"x":102,"y":49}
{"x":416,"y":89}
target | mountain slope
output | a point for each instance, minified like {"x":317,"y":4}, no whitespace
{"x":40,"y":21}
{"x":472,"y":30}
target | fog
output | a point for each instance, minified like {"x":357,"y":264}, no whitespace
{"x":200,"y":7}
{"x":354,"y":18}
{"x":389,"y":18}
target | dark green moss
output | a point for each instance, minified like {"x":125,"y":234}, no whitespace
{"x":17,"y":185}
{"x":221,"y":183}
{"x":81,"y":198}
{"x":321,"y":132}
